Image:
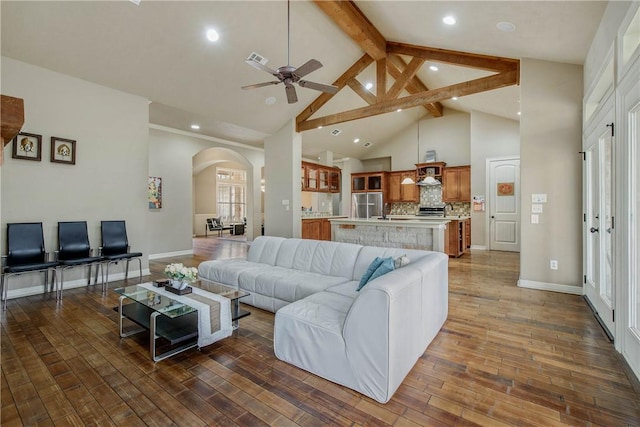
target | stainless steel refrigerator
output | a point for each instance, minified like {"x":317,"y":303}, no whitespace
{"x":366,"y":205}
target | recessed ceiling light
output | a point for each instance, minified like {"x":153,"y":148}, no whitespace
{"x":368,"y":85}
{"x":449,"y":20}
{"x":270,"y":100}
{"x":355,"y":141}
{"x":212,"y":35}
{"x":433,"y":68}
{"x":505,"y":26}
{"x":519,"y":113}
{"x":398,"y":110}
{"x":195,"y":127}
{"x":455,"y":98}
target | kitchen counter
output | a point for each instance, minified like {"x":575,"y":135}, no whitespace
{"x":409,"y":233}
{"x":428,"y":218}
{"x":324,"y":217}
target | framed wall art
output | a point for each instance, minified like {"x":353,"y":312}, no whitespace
{"x":63,"y":150}
{"x":27,"y":146}
{"x":154,"y":188}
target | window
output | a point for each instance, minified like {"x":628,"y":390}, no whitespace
{"x":231,"y":197}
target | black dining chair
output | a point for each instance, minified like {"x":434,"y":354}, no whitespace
{"x":25,"y":254}
{"x":74,"y":250}
{"x":115,"y":248}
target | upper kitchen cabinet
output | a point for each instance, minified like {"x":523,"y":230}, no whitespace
{"x":398,"y":192}
{"x":368,"y":181}
{"x":320,"y":178}
{"x":433,"y":169}
{"x":456,"y":184}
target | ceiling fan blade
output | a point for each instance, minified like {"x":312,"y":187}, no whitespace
{"x":292,"y":97}
{"x":308,"y":67}
{"x":318,"y":86}
{"x":260,"y":85}
{"x":261,"y":67}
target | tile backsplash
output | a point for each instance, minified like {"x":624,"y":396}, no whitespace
{"x":430,"y":196}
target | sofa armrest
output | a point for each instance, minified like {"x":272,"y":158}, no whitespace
{"x":394,"y":319}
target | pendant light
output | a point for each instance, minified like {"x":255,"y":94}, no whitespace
{"x":408,"y":180}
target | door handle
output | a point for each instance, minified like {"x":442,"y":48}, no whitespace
{"x":609,"y":230}
{"x":593,"y":230}
{"x":493,"y":217}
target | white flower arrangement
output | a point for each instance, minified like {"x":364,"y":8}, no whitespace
{"x":177,"y":271}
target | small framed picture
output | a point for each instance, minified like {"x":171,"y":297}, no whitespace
{"x":27,"y":146}
{"x":63,"y":150}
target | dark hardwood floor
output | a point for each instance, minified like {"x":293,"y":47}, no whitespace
{"x":505,"y":356}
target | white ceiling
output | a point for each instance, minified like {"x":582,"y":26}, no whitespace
{"x":158,"y":50}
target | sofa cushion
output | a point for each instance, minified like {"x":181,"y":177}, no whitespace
{"x":264,"y":250}
{"x":226,"y":271}
{"x":322,"y":257}
{"x":347,"y":289}
{"x":285,"y":284}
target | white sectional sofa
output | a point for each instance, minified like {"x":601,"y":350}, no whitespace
{"x":367,"y":340}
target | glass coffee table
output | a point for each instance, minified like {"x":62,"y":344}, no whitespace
{"x":167,"y":318}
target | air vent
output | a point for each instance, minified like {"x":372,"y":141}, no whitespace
{"x":335,"y":132}
{"x":367,"y":144}
{"x":256,"y":57}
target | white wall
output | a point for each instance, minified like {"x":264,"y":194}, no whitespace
{"x":109,"y":179}
{"x":550,"y":139}
{"x":171,"y":157}
{"x":491,"y":136}
{"x":282,"y":157}
{"x":449,"y":135}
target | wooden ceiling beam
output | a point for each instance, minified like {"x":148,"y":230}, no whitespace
{"x":483,"y":84}
{"x":381,"y":79}
{"x":356,"y":25}
{"x":362,"y":91}
{"x":469,"y":60}
{"x":395,"y":66}
{"x":403,"y":79}
{"x":363,"y":62}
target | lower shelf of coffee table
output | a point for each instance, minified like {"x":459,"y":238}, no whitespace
{"x":176,"y":330}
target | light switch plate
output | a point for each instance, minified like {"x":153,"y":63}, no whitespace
{"x":536,"y":208}
{"x":534,"y":219}
{"x":538,"y":198}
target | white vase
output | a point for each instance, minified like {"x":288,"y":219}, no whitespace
{"x":176,"y":283}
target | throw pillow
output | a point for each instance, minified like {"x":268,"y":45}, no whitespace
{"x":370,"y":270}
{"x":401,"y":261}
{"x":385,"y":266}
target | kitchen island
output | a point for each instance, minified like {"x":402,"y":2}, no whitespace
{"x":426,"y":234}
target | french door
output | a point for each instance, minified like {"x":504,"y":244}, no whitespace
{"x":599,"y":219}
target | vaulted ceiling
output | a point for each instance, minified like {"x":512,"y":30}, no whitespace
{"x":158,"y":50}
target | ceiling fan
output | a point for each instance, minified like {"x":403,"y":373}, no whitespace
{"x":290,"y":75}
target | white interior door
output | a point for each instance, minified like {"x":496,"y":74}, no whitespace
{"x":504,"y":204}
{"x":598,"y":224}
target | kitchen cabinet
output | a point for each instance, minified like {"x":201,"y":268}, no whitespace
{"x":316,"y":229}
{"x":433,"y":169}
{"x":319,"y":178}
{"x":368,"y":181}
{"x":456,"y":184}
{"x":398,"y":192}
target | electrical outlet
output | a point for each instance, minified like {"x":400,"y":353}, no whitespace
{"x":553,"y":264}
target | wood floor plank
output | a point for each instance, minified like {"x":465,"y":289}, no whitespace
{"x":506,"y":356}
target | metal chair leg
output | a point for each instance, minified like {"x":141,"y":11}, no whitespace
{"x":5,"y":288}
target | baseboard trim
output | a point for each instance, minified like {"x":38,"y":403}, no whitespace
{"x":170,"y":254}
{"x":78,"y":283}
{"x":554,"y":287}
{"x":478,"y":247}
